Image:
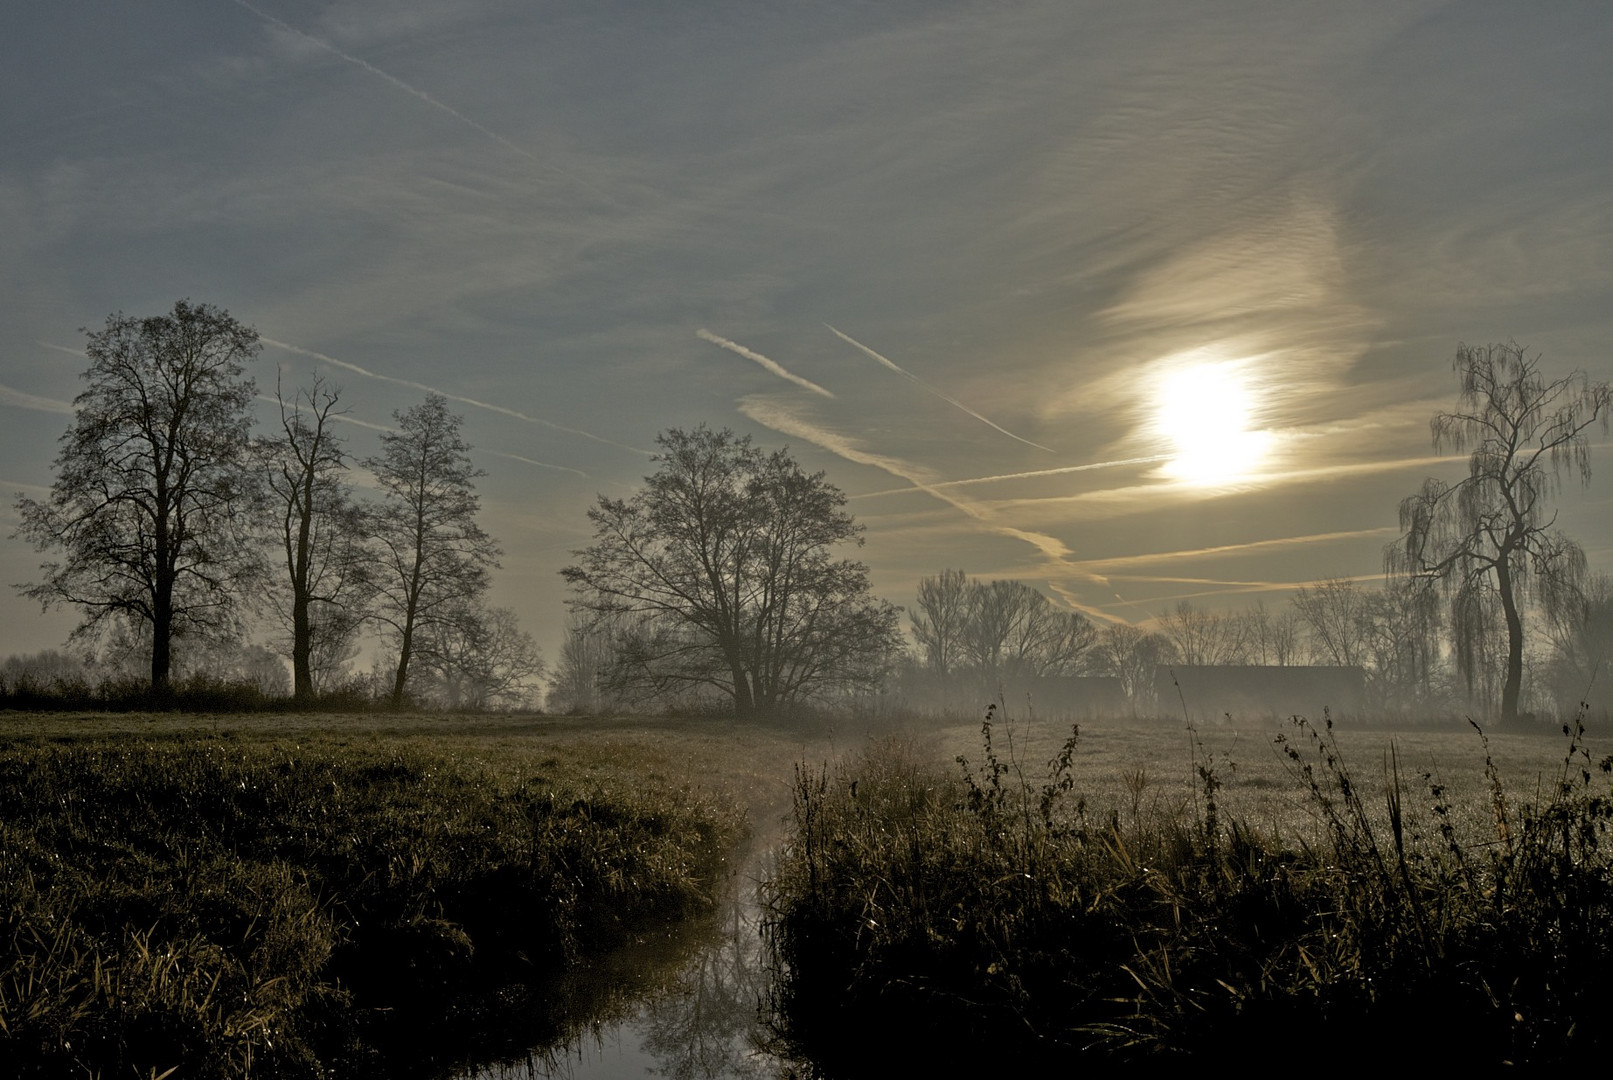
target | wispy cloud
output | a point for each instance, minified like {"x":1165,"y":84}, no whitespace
{"x":501,"y":410}
{"x":771,"y":414}
{"x":20,"y":400}
{"x":1029,"y":475}
{"x":1103,"y":566}
{"x":342,"y":417}
{"x":539,"y":464}
{"x":954,"y":402}
{"x":363,"y":423}
{"x":771,"y":365}
{"x":69,"y":350}
{"x":393,"y":79}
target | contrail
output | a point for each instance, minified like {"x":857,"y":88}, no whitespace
{"x":1273,"y":543}
{"x":780,"y":420}
{"x":393,"y":79}
{"x":363,"y":423}
{"x":339,"y":416}
{"x":771,"y":365}
{"x":949,"y":400}
{"x":20,"y":400}
{"x":451,"y":397}
{"x":63,"y":348}
{"x":1117,"y":463}
{"x":539,"y":464}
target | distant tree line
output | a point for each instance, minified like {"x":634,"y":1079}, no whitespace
{"x":1485,"y":608}
{"x":175,"y":532}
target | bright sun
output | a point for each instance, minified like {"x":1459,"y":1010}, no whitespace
{"x":1206,"y":411}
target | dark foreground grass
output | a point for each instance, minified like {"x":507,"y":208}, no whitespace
{"x":225,"y":907}
{"x":950,"y":921}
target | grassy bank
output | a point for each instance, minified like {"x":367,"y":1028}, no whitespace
{"x":1000,"y":912}
{"x":279,"y":898}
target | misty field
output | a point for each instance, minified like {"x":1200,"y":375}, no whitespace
{"x":1142,"y":895}
{"x":282,"y":894}
{"x":240,"y":896}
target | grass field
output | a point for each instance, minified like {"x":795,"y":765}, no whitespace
{"x":1443,"y":898}
{"x":282,"y":894}
{"x":287,"y":896}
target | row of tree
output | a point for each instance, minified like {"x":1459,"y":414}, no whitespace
{"x":169,"y":521}
{"x":1486,"y":544}
{"x":718,"y":577}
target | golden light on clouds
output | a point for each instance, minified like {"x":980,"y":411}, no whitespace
{"x":1207,"y":412}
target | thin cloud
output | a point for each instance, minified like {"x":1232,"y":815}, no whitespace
{"x":771,"y":365}
{"x":63,"y":349}
{"x":1234,"y":588}
{"x":343,"y":417}
{"x":364,"y":423}
{"x":18,"y":399}
{"x":393,"y":79}
{"x":848,"y":339}
{"x":1100,"y":566}
{"x":367,"y":373}
{"x":1030,"y":475}
{"x":1260,"y":481}
{"x":539,"y":464}
{"x":770,"y":415}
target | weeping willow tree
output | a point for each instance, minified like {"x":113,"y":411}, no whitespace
{"x":1489,"y":540}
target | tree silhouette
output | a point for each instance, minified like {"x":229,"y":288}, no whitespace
{"x":724,"y":559}
{"x":434,"y":557}
{"x":151,"y":506}
{"x":1488,"y":539}
{"x":317,"y":531}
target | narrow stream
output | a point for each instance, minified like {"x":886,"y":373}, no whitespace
{"x":688,"y":1005}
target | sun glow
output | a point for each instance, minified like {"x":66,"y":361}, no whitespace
{"x":1206,"y":411}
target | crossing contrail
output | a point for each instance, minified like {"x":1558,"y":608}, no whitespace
{"x":954,"y":402}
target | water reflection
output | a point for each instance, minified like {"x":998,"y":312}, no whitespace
{"x":687,"y":1005}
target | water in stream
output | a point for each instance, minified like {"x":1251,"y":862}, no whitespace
{"x":687,"y":1005}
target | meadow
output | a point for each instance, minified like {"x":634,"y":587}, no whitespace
{"x":1139,"y":895}
{"x":283,"y":895}
{"x":224,"y":896}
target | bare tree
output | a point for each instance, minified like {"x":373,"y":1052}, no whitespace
{"x":1401,"y":627}
{"x":1042,"y":640}
{"x":434,"y":557}
{"x":1269,"y":638}
{"x":1490,"y":533}
{"x":1581,"y":627}
{"x":1203,"y":638}
{"x":322,"y":593}
{"x":480,"y":657}
{"x":151,"y":505}
{"x":1132,"y":655}
{"x":724,"y":557}
{"x":941,"y":619}
{"x":1334,"y":612}
{"x":586,"y":656}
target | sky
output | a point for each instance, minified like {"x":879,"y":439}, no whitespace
{"x":1133,"y":301}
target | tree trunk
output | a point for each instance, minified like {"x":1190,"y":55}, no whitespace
{"x":402,"y":678}
{"x":744,"y":700}
{"x":302,"y":634}
{"x":1509,"y":606}
{"x":162,"y":629}
{"x":301,"y":649}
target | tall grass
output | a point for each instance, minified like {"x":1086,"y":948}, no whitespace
{"x":236,"y":909}
{"x":991,"y":915}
